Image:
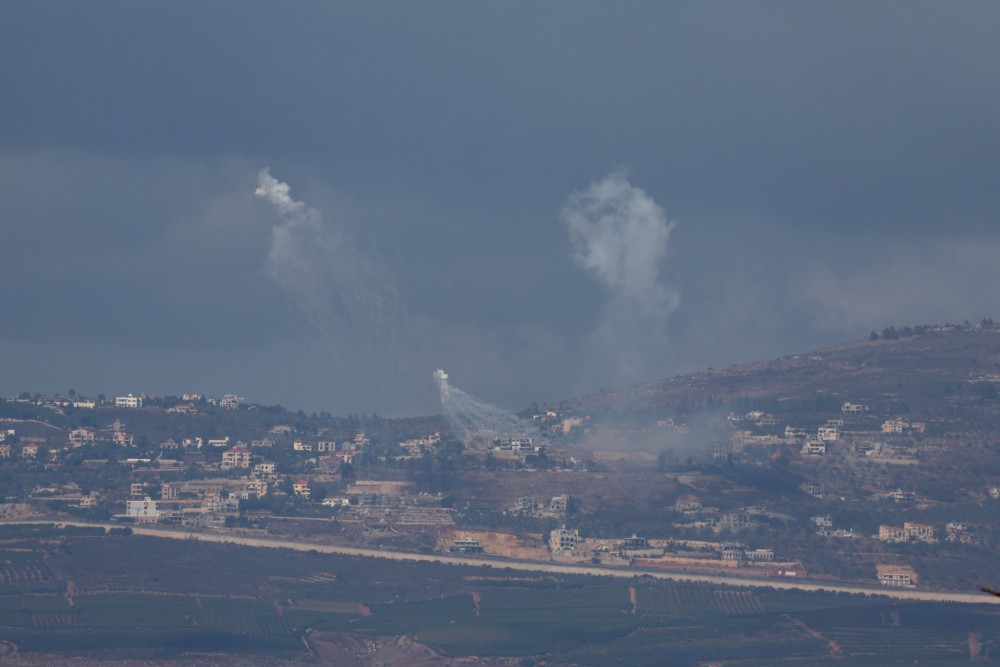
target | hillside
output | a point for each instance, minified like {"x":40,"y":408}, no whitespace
{"x":930,"y":373}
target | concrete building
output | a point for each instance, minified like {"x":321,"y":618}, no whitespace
{"x":237,"y":457}
{"x":897,"y":575}
{"x":129,"y":401}
{"x":232,"y":401}
{"x":909,"y":531}
{"x":814,"y":448}
{"x":563,"y":541}
{"x":143,"y":511}
{"x":79,"y":437}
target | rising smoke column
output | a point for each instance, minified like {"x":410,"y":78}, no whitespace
{"x":470,"y":417}
{"x":619,"y":234}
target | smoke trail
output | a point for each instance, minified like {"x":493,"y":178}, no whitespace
{"x":351,"y":319}
{"x":619,"y":234}
{"x":331,"y":282}
{"x":471,"y":417}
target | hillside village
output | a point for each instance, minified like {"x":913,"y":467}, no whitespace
{"x":831,"y":477}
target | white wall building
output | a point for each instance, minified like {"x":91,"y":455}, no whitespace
{"x":129,"y":401}
{"x":143,"y":511}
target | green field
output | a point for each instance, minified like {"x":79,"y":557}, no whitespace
{"x":103,"y":596}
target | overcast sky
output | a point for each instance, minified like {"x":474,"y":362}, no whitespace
{"x":541,"y":198}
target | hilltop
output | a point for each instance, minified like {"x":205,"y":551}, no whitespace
{"x":928,"y":373}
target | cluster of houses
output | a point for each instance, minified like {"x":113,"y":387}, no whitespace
{"x":203,"y":503}
{"x":208,"y":501}
{"x":128,"y":401}
{"x":567,"y":544}
{"x":817,"y":443}
{"x":28,"y":450}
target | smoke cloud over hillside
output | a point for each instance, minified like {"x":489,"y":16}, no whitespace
{"x":619,"y":235}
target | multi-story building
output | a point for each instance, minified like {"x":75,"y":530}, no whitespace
{"x":263,"y":470}
{"x":814,"y":448}
{"x":143,"y":511}
{"x":559,"y":503}
{"x":79,"y":437}
{"x":897,"y":575}
{"x":232,"y":401}
{"x":828,"y":433}
{"x":909,"y":531}
{"x":129,"y":401}
{"x":563,"y":541}
{"x":737,"y":521}
{"x":256,"y":487}
{"x":237,"y":457}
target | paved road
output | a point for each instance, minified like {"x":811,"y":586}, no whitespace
{"x":536,"y":566}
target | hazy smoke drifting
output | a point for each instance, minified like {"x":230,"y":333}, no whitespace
{"x":620,"y":235}
{"x":320,"y":267}
{"x":350,"y":309}
{"x":471,"y":417}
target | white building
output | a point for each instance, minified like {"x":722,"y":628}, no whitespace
{"x":143,"y":511}
{"x":563,"y":541}
{"x":129,"y":401}
{"x":263,"y":470}
{"x":232,"y":401}
{"x":897,"y":575}
{"x":256,"y":487}
{"x":828,"y":433}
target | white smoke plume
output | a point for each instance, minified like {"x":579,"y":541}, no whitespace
{"x":348,"y":304}
{"x":619,"y":234}
{"x":471,"y":418}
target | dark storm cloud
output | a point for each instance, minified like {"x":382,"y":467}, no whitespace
{"x":813,"y":154}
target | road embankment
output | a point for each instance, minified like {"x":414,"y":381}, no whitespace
{"x":532,"y":566}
